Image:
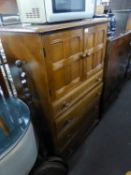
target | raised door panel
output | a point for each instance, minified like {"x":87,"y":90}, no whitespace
{"x":94,"y":50}
{"x":63,"y":59}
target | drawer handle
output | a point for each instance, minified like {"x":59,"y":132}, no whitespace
{"x":98,"y":94}
{"x":69,"y":135}
{"x":88,"y":54}
{"x":99,"y":79}
{"x":67,"y":122}
{"x":84,"y":55}
{"x":65,"y":105}
{"x":96,"y":107}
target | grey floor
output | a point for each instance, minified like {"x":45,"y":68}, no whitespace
{"x":107,"y":150}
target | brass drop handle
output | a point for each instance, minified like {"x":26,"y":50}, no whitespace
{"x":69,"y":135}
{"x":67,"y":122}
{"x":96,"y":107}
{"x":84,"y":55}
{"x":88,"y":53}
{"x":98,"y":94}
{"x":65,"y":105}
{"x":99,"y":79}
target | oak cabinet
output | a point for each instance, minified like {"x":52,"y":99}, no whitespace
{"x":64,"y":67}
{"x":71,"y":58}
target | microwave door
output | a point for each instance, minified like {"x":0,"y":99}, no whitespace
{"x":65,"y":6}
{"x":66,"y":10}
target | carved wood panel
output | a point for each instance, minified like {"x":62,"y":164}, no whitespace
{"x":94,"y":49}
{"x":63,"y":56}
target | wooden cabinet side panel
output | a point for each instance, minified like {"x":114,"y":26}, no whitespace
{"x":28,"y":49}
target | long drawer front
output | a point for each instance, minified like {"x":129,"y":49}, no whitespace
{"x":70,"y":124}
{"x":65,"y":103}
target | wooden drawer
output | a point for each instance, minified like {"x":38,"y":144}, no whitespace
{"x":68,"y":124}
{"x":64,"y":103}
{"x":82,"y":130}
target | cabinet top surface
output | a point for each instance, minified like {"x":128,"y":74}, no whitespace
{"x":119,"y":36}
{"x":26,"y":28}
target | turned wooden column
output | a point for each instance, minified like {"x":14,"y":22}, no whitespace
{"x":3,"y":84}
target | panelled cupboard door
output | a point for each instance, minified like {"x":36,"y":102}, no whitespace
{"x":63,"y":57}
{"x":94,"y":49}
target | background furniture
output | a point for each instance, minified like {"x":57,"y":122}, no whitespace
{"x":117,"y":60}
{"x":122,"y":20}
{"x":8,"y":6}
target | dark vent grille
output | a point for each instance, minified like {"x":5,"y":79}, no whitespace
{"x":34,"y":13}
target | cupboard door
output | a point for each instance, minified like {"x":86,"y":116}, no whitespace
{"x":94,"y":49}
{"x":63,"y":53}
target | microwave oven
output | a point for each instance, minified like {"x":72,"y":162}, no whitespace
{"x":50,"y":11}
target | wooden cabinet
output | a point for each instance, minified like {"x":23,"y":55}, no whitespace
{"x":116,"y":64}
{"x":84,"y":112}
{"x":65,"y":74}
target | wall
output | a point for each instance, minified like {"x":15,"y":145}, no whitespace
{"x":8,"y":6}
{"x":120,"y":4}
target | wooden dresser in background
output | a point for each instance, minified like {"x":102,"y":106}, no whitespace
{"x":64,"y":66}
{"x":117,"y":67}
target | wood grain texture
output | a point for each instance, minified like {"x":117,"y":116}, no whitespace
{"x":64,"y":61}
{"x":115,"y":66}
{"x":94,"y":49}
{"x":3,"y":126}
{"x":57,"y":67}
{"x":28,"y":48}
{"x":45,"y":28}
